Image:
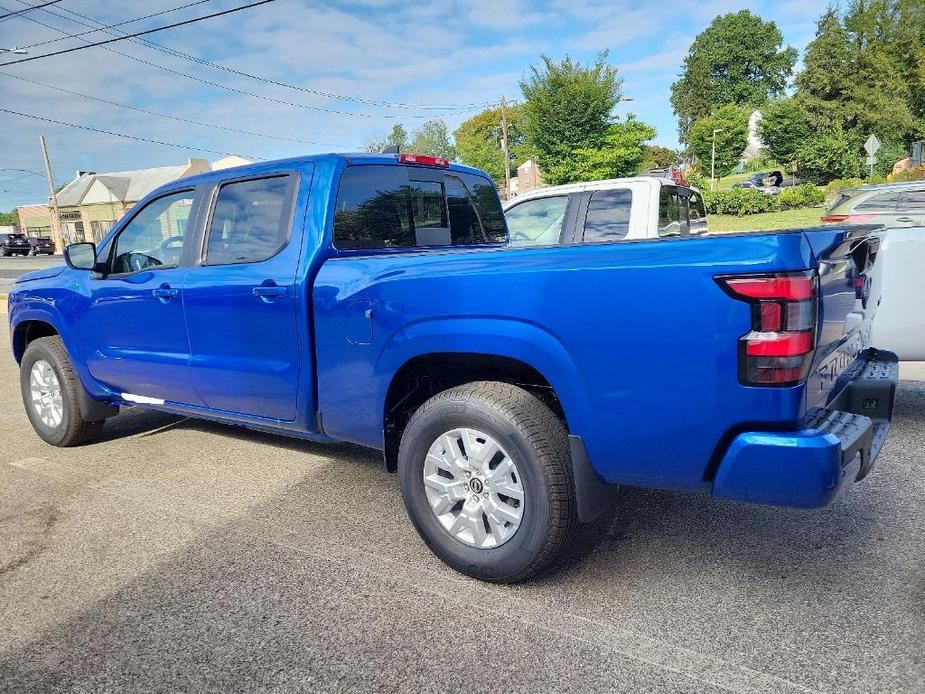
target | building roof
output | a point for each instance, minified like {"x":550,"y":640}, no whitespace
{"x":74,"y":191}
{"x":123,"y":186}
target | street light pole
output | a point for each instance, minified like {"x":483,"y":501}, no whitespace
{"x":713,"y":160}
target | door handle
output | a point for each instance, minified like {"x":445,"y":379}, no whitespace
{"x":904,"y":220}
{"x":269,"y":292}
{"x":165,"y":293}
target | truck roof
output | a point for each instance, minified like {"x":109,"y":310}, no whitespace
{"x":351,"y":159}
{"x":654,"y":181}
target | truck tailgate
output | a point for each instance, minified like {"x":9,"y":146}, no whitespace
{"x":849,"y":286}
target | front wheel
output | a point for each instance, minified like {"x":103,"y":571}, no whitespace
{"x":50,"y":392}
{"x":486,"y":477}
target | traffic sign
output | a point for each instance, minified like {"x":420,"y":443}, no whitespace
{"x":871,"y":160}
{"x":872,"y":145}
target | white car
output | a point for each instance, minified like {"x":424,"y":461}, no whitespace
{"x":899,"y":325}
{"x":618,"y":209}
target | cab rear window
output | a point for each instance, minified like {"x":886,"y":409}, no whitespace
{"x":381,"y":207}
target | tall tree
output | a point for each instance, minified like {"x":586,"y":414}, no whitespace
{"x":568,"y":107}
{"x":621,"y":154}
{"x":861,"y":72}
{"x":478,"y":141}
{"x":396,"y":137}
{"x":433,"y":139}
{"x":732,"y":122}
{"x":784,"y":127}
{"x":739,"y":59}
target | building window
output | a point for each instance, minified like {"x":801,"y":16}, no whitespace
{"x":99,"y":228}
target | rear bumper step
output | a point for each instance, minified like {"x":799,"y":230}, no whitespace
{"x":838,"y":446}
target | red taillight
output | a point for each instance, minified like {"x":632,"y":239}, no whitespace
{"x":792,"y":287}
{"x":424,"y":159}
{"x":778,"y":349}
{"x":850,"y":218}
{"x":780,"y":345}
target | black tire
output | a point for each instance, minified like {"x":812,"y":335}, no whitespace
{"x":73,"y":429}
{"x":536,"y":440}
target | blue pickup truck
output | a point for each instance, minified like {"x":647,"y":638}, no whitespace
{"x":374,"y":299}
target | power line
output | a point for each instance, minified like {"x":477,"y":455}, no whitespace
{"x":457,"y":108}
{"x":118,"y":24}
{"x":138,"y":33}
{"x":123,"y":135}
{"x":165,"y":115}
{"x":210,"y":83}
{"x":13,"y":13}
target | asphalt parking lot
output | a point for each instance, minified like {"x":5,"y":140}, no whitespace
{"x":183,"y":556}
{"x":14,"y":266}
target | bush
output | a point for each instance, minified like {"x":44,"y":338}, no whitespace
{"x":806,"y":195}
{"x":835,"y":188}
{"x":831,"y":155}
{"x":739,"y":201}
{"x":917,"y":174}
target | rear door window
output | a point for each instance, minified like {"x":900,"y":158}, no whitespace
{"x":608,"y":216}
{"x":387,"y":207}
{"x":669,"y":212}
{"x":913,"y":201}
{"x":251,"y":220}
{"x":537,"y":222}
{"x":883,"y":201}
{"x":696,"y":214}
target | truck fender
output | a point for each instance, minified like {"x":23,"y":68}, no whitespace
{"x":92,"y":408}
{"x":527,"y":343}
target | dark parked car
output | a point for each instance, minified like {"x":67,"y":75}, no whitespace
{"x":42,"y":244}
{"x":768,"y":181}
{"x":15,"y":244}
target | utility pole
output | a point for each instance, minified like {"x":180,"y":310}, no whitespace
{"x":55,"y":219}
{"x":504,"y":151}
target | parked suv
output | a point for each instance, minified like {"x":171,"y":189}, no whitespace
{"x":42,"y":244}
{"x":895,"y":205}
{"x":14,"y":244}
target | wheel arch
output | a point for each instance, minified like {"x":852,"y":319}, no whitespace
{"x":434,"y":355}
{"x":28,"y":330}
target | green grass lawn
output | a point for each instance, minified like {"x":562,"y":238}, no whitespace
{"x":767,"y":221}
{"x":727,"y":181}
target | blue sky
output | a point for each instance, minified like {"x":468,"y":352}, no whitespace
{"x":366,"y":57}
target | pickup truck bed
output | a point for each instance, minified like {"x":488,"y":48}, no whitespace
{"x":510,"y":387}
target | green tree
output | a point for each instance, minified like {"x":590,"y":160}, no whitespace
{"x":832,"y":154}
{"x":478,"y":141}
{"x":739,"y":59}
{"x":657,"y":157}
{"x":567,"y":107}
{"x":10,"y":218}
{"x":784,"y":127}
{"x":862,"y":72}
{"x":434,"y":139}
{"x":621,"y":154}
{"x":396,"y":137}
{"x":732,"y":121}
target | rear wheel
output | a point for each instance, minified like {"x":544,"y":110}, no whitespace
{"x":486,"y":478}
{"x":51,"y":392}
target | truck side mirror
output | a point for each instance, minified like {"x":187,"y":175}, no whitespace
{"x":81,"y":256}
